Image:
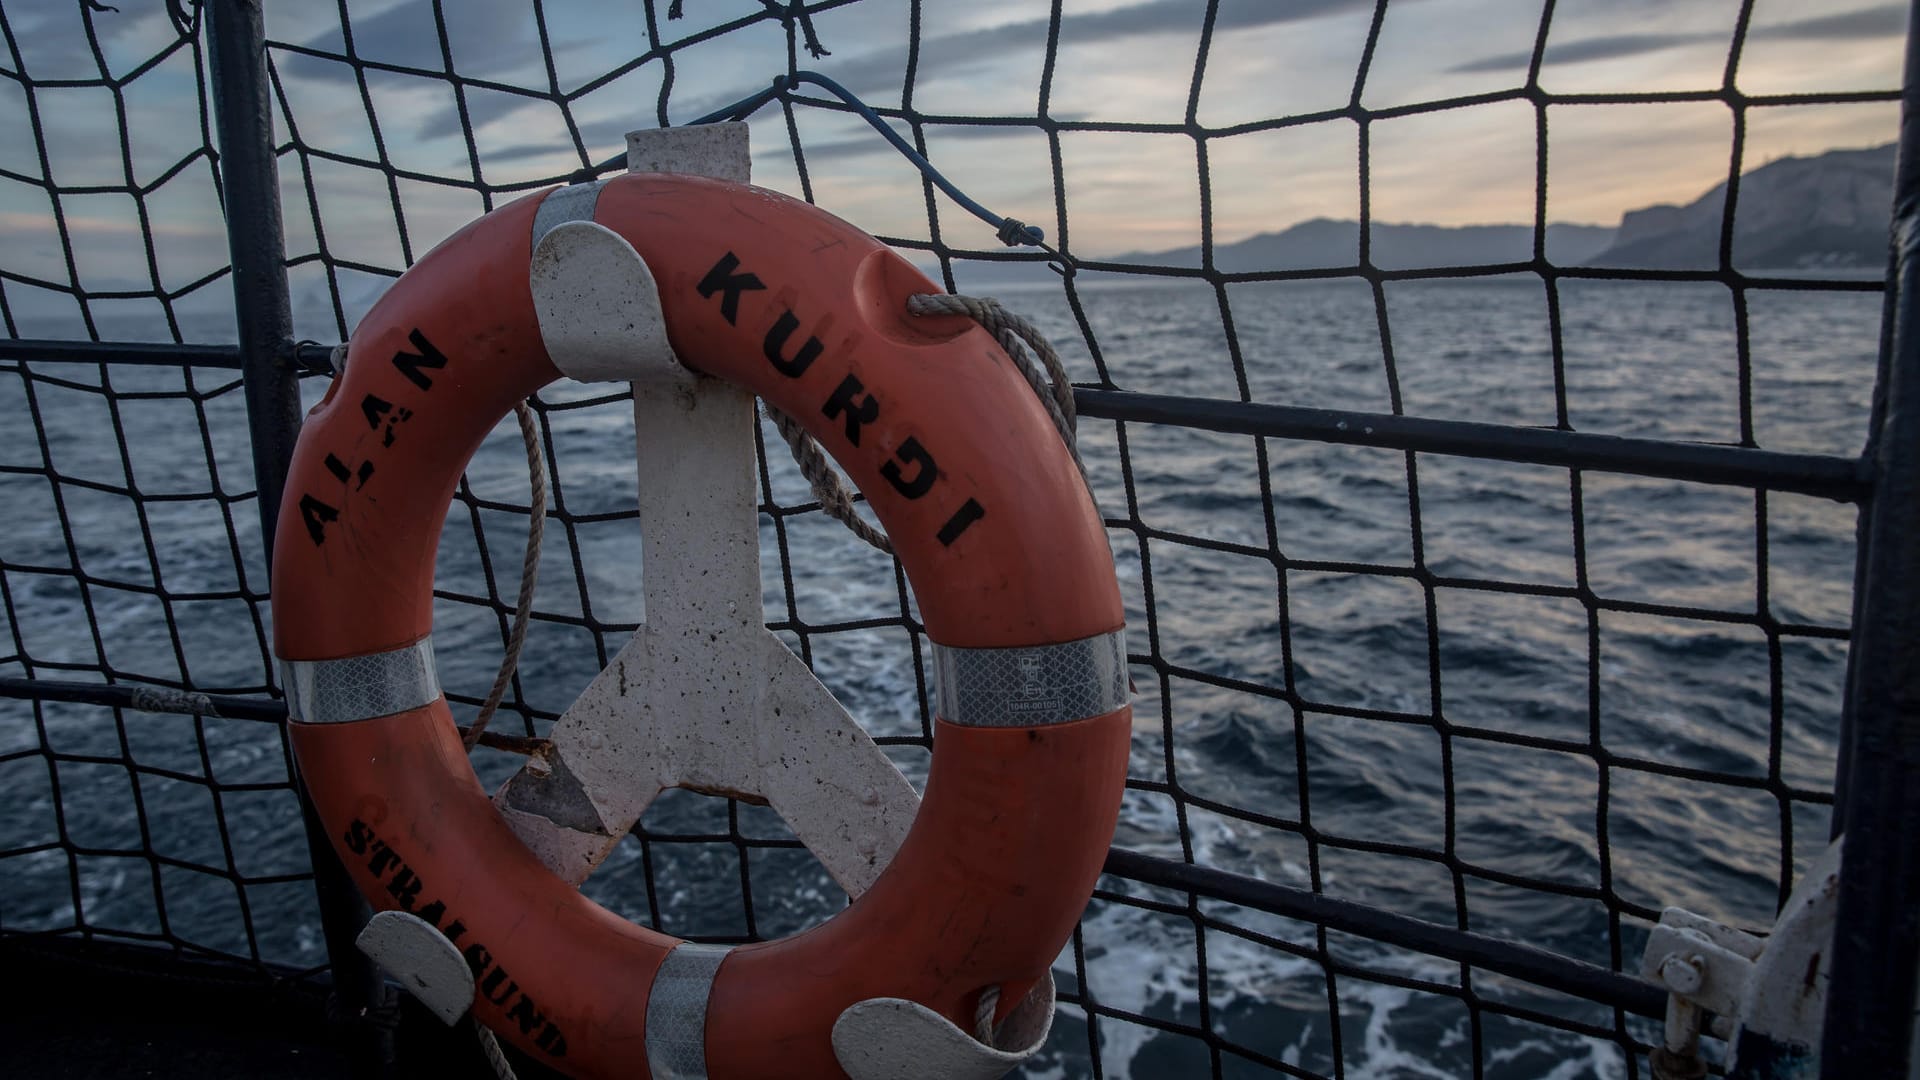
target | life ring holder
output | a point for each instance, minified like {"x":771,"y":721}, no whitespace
{"x":993,"y":526}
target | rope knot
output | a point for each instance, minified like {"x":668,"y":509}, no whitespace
{"x":1016,"y":233}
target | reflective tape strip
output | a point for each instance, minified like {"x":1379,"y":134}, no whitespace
{"x":677,"y":1011}
{"x":575,"y":202}
{"x":1032,"y":686}
{"x":360,"y":687}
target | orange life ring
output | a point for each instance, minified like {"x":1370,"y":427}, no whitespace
{"x":1006,"y":553}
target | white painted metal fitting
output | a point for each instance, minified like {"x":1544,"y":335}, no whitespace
{"x":1682,"y":975}
{"x":760,"y":725}
{"x":1773,"y":987}
{"x":895,"y":1039}
{"x":599,"y":307}
{"x":704,"y":696}
{"x":1701,"y":960}
{"x":417,"y":956}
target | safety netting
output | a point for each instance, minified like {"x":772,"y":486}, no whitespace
{"x":1493,"y":696}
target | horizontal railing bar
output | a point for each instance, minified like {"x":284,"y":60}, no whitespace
{"x":1533,"y":965}
{"x":145,"y":698}
{"x":1524,"y":962}
{"x":168,"y":700}
{"x":163,"y":354}
{"x":1828,"y":476}
{"x":308,"y":355}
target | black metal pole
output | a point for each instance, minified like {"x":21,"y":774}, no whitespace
{"x":250,"y":187}
{"x":1824,"y":475}
{"x":1876,"y":946}
{"x":1539,"y":966}
{"x":307,"y":356}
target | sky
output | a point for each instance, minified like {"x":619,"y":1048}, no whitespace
{"x":1118,"y":61}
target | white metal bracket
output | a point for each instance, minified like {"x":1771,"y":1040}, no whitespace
{"x":420,"y":958}
{"x":704,"y":696}
{"x":1774,"y":988}
{"x":599,"y":306}
{"x":895,"y":1039}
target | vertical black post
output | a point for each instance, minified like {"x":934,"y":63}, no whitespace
{"x":250,"y":186}
{"x":1876,"y":947}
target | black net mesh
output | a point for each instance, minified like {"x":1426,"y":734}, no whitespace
{"x":120,"y":550}
{"x":1521,"y":700}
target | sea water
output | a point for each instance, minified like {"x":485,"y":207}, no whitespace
{"x":1411,"y":606}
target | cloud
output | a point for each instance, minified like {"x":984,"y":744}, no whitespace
{"x":1864,"y":24}
{"x":493,"y":37}
{"x":486,"y":38}
{"x":880,"y":71}
{"x":863,"y":142}
{"x":866,"y":141}
{"x":1610,"y":47}
{"x":55,"y":37}
{"x":482,"y":109}
{"x":1887,"y":21}
{"x":600,"y":137}
{"x":1159,"y":16}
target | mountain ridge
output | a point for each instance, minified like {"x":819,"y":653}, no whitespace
{"x":1327,"y":242}
{"x":1828,"y":210}
{"x":1825,"y":211}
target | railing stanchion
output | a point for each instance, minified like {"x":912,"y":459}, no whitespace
{"x":1876,"y":949}
{"x":250,"y":191}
